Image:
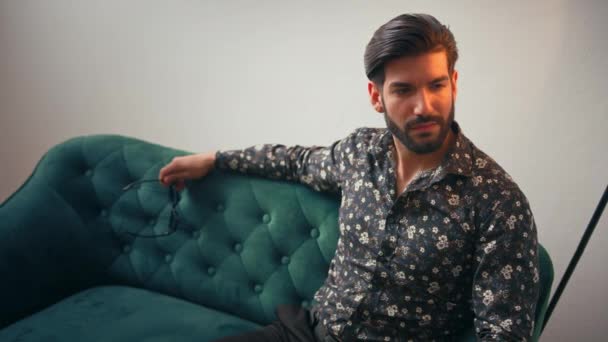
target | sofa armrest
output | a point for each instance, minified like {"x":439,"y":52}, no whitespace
{"x":38,"y":244}
{"x":54,"y":234}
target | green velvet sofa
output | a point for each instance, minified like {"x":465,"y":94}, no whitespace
{"x":70,"y":272}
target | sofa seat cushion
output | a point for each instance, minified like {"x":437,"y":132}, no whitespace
{"x":120,"y":313}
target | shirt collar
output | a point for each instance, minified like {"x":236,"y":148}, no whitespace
{"x":458,"y":159}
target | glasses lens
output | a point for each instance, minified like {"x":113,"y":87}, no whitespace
{"x":174,"y":198}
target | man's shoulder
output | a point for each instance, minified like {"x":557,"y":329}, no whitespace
{"x":366,"y":136}
{"x":491,"y":179}
{"x":364,"y":140}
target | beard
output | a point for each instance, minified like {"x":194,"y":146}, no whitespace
{"x":420,"y":143}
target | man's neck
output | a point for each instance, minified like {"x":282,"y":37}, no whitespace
{"x":409,"y":163}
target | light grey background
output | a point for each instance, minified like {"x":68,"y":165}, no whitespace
{"x":203,"y":75}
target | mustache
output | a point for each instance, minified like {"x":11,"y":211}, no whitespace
{"x":423,"y":119}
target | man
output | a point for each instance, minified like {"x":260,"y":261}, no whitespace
{"x":433,"y":232}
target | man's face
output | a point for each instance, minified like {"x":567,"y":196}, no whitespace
{"x":417,"y":100}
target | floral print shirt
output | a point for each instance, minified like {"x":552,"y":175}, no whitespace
{"x":458,"y":244}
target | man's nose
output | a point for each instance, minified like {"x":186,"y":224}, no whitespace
{"x":422,"y":105}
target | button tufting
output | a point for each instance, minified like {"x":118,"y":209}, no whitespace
{"x":89,"y":172}
{"x":195,"y":234}
{"x":152,"y":222}
{"x":238,"y":247}
{"x":285,"y":260}
{"x":126,"y":248}
{"x":168,"y":258}
{"x":314,"y":233}
{"x":220,"y":207}
{"x":266,"y":218}
{"x":305,"y":303}
{"x":104,"y":213}
{"x":211,"y":271}
{"x":257,"y":288}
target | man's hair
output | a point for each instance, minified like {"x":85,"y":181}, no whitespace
{"x":407,"y":35}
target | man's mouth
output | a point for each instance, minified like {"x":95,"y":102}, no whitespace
{"x":424,"y":126}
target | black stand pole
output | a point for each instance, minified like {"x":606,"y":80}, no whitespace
{"x":577,"y":255}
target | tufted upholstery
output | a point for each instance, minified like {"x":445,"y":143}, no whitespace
{"x":246,"y":244}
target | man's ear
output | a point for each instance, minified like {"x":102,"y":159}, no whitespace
{"x":454,"y":83}
{"x":374,"y":97}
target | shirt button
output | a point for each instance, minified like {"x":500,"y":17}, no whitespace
{"x":266,"y":218}
{"x":314,"y":233}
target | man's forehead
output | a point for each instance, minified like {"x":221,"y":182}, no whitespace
{"x":425,"y":67}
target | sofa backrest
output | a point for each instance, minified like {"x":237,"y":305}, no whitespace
{"x":243,"y":245}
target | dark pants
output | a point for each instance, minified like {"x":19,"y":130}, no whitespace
{"x":294,"y":324}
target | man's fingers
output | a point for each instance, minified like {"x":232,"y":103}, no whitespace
{"x":174,"y":166}
{"x":170,"y":179}
{"x":164,"y":172}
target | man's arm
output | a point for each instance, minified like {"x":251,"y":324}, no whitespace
{"x":318,"y":167}
{"x":506,"y":281}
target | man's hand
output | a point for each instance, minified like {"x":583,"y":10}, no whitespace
{"x":186,"y":167}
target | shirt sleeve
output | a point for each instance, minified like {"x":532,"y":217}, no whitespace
{"x":506,"y":281}
{"x":320,"y":167}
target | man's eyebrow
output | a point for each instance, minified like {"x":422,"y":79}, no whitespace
{"x":398,"y":84}
{"x":440,"y":79}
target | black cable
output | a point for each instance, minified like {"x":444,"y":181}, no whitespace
{"x":577,"y":255}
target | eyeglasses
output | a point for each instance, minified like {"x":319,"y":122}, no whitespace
{"x":174,"y":198}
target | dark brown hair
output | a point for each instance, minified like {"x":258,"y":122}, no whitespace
{"x":407,"y":35}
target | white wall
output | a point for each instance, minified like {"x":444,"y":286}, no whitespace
{"x":202,"y":75}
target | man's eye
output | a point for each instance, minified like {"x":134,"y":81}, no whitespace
{"x":438,"y":86}
{"x":400,"y":91}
